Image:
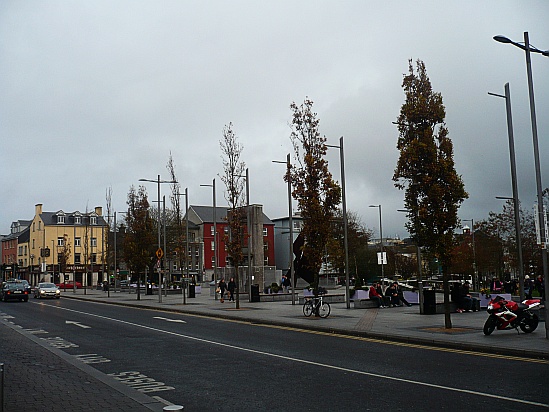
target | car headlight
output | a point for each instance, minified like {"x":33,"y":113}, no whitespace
{"x":57,"y":292}
{"x":42,"y":292}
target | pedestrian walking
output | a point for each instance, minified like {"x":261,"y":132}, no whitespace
{"x":231,"y":287}
{"x":222,"y":286}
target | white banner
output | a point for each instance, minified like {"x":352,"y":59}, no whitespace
{"x":381,"y":258}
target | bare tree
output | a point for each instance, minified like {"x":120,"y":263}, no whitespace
{"x":233,"y":177}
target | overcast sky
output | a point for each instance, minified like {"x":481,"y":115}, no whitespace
{"x":96,"y":94}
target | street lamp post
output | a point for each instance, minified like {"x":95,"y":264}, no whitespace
{"x":476,"y":281}
{"x":115,"y":249}
{"x":419,"y":264}
{"x":183,"y":283}
{"x":215,"y":235}
{"x":381,"y":244}
{"x":515,"y":197}
{"x":344,"y":205}
{"x":291,"y":224}
{"x":160,"y":251}
{"x":541,"y":218}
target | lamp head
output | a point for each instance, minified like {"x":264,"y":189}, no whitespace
{"x":502,"y":39}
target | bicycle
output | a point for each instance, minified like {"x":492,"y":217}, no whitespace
{"x":316,"y":305}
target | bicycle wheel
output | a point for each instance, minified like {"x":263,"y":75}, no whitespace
{"x":324,"y":310}
{"x":308,"y":308}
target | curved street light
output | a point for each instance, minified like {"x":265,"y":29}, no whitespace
{"x":541,"y":218}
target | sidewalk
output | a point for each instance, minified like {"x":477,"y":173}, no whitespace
{"x":401,"y":324}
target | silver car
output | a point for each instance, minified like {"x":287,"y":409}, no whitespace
{"x":47,"y":290}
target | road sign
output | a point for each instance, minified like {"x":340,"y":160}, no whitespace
{"x":381,"y":258}
{"x":159,"y":253}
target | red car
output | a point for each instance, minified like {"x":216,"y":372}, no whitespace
{"x":69,"y":285}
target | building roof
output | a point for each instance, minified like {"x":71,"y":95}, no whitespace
{"x":50,"y":218}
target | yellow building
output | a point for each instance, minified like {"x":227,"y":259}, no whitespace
{"x":66,"y":246}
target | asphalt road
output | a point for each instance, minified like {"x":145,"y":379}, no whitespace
{"x":210,"y":364}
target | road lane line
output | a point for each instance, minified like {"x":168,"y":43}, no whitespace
{"x":306,"y":362}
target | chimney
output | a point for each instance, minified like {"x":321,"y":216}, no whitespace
{"x":98,"y":210}
{"x":38,"y":209}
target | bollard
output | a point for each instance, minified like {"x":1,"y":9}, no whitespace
{"x":1,"y":387}
{"x":173,"y":408}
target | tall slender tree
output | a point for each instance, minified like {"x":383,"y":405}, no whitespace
{"x":316,"y":192}
{"x":425,"y":170}
{"x":233,"y":178}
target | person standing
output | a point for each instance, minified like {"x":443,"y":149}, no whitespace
{"x":231,"y":287}
{"x":222,"y":287}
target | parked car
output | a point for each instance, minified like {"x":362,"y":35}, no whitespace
{"x":14,"y":290}
{"x":47,"y":290}
{"x":69,"y":285}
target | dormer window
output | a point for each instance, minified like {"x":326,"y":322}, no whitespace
{"x":77,"y":220}
{"x":93,"y":220}
{"x":60,"y":219}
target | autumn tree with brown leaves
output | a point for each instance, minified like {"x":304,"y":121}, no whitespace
{"x":139,"y":242}
{"x":425,"y":170}
{"x":316,"y":192}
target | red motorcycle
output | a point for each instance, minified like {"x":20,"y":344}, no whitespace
{"x":511,"y":315}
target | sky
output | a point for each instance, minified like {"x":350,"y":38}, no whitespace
{"x":97,"y":94}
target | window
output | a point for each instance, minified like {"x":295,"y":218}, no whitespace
{"x":33,"y":223}
{"x":77,"y":220}
{"x":60,"y":241}
{"x":77,"y":258}
{"x":265,"y":246}
{"x":60,"y":219}
{"x":94,"y":258}
{"x":93,"y":242}
{"x":20,"y":252}
{"x":226,"y":230}
{"x":266,"y":260}
{"x":213,"y":245}
{"x":296,"y":224}
{"x":213,"y":260}
{"x":227,"y":261}
{"x":93,"y":220}
{"x":265,"y":231}
{"x":39,"y":225}
{"x":77,"y":242}
{"x":212,"y":232}
{"x":33,"y":243}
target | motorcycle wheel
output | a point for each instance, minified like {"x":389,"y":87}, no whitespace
{"x":528,"y":325}
{"x":490,"y":325}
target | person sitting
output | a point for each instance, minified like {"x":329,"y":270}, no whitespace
{"x":458,"y":296}
{"x":401,"y":294}
{"x":392,"y":294}
{"x":375,"y":296}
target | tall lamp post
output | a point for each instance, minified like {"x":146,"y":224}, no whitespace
{"x":215,"y":235}
{"x":160,"y":252}
{"x":419,"y":264}
{"x":541,"y":218}
{"x":476,"y":281}
{"x":515,"y":197}
{"x":291,"y":224}
{"x":184,"y":284}
{"x":381,"y":244}
{"x":344,"y":205}
{"x":116,"y":248}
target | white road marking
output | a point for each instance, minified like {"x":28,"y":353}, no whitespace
{"x":169,"y":320}
{"x":71,"y":322}
{"x":307,"y":362}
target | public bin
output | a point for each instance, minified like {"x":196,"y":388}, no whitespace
{"x":255,"y":293}
{"x":149,"y":289}
{"x":192,"y":292}
{"x":429,"y":302}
